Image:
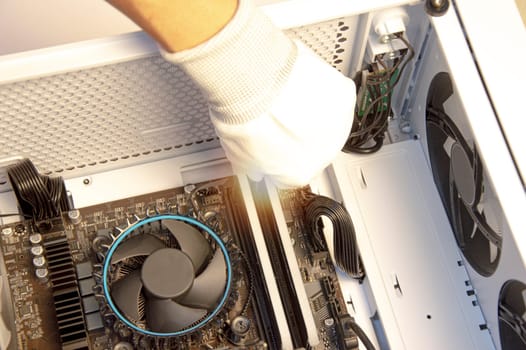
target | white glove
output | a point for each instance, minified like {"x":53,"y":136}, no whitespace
{"x":279,"y":109}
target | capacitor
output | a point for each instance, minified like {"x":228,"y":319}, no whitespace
{"x":329,"y":322}
{"x":37,"y":250}
{"x":42,"y":274}
{"x":74,"y":216}
{"x":7,"y":231}
{"x":35,"y":238}
{"x":123,"y":345}
{"x":39,"y":261}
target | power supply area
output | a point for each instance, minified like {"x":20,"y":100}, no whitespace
{"x":123,"y":225}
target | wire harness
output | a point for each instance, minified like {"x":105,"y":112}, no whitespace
{"x":346,"y":251}
{"x":40,"y":197}
{"x":374,"y":101}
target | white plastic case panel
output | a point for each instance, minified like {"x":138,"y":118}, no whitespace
{"x":503,"y":201}
{"x":409,"y":250}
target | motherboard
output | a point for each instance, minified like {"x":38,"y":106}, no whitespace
{"x":177,"y":269}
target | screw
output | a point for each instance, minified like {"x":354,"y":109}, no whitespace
{"x":437,"y":3}
{"x":240,"y":325}
{"x":86,"y":181}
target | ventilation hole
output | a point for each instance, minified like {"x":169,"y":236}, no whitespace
{"x":338,"y":61}
{"x":344,"y":28}
{"x":96,"y":104}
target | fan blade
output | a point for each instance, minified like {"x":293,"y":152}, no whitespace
{"x":191,"y":241}
{"x":136,"y":246}
{"x":165,"y":315}
{"x":209,"y":285}
{"x":125,"y":292}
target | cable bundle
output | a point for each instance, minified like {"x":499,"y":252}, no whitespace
{"x":371,"y":119}
{"x":346,"y":251}
{"x":40,"y":197}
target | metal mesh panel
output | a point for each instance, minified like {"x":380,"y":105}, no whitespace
{"x":124,"y":113}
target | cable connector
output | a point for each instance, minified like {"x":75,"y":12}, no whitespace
{"x":390,"y":23}
{"x":385,"y":27}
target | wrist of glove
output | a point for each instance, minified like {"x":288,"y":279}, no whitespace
{"x":279,"y":110}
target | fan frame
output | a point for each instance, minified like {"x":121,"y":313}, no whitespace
{"x":137,"y":225}
{"x":437,"y":116}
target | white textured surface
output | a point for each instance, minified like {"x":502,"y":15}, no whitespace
{"x":405,"y":238}
{"x":120,"y":114}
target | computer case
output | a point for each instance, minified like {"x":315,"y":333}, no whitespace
{"x":437,"y":211}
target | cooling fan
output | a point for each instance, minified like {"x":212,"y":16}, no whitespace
{"x":166,"y":276}
{"x":471,"y":205}
{"x":512,"y":315}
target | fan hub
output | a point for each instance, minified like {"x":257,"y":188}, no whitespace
{"x":167,"y":273}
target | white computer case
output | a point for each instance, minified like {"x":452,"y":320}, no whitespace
{"x":115,"y":120}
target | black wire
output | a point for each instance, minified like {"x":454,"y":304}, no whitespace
{"x":346,"y":253}
{"x":361,"y":335}
{"x":39,"y":196}
{"x":367,"y":133}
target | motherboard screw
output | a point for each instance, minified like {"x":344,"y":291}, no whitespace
{"x":240,"y":325}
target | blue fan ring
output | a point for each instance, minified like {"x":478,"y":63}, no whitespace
{"x":126,"y":233}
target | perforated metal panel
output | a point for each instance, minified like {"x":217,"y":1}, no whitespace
{"x":124,"y":113}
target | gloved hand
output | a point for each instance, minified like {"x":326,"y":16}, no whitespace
{"x":279,"y":110}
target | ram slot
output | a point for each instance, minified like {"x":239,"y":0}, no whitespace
{"x":262,"y":302}
{"x":285,"y":276}
{"x":266,"y":265}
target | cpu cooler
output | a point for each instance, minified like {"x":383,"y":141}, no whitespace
{"x":166,"y":275}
